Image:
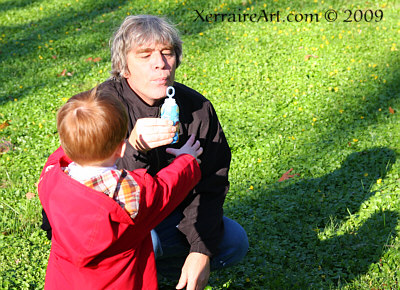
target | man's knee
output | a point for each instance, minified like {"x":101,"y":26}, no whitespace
{"x":238,"y":238}
{"x":233,"y":247}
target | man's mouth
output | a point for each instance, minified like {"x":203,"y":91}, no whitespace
{"x":161,"y":81}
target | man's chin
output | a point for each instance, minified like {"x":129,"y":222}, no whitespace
{"x":160,"y":92}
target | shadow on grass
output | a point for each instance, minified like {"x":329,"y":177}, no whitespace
{"x":313,"y":233}
{"x":53,"y":26}
{"x":12,"y":4}
{"x":19,"y":55}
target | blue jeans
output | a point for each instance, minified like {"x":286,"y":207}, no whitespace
{"x":171,"y":247}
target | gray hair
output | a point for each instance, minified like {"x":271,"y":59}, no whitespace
{"x":137,"y":30}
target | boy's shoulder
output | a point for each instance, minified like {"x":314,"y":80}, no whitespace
{"x":120,"y":186}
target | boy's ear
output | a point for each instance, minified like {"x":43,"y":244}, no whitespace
{"x":123,"y":147}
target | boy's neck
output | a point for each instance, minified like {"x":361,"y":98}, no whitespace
{"x":110,"y":162}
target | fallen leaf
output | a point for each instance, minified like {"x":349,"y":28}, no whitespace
{"x":5,"y":124}
{"x":30,"y":195}
{"x":5,"y":146}
{"x":97,"y":59}
{"x":391,"y":110}
{"x":62,"y":73}
{"x":307,"y":57}
{"x":286,"y":175}
{"x":4,"y":184}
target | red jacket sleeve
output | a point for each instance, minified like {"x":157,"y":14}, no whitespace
{"x":55,"y":158}
{"x":161,"y":194}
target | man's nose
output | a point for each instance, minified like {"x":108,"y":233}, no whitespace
{"x":158,"y":60}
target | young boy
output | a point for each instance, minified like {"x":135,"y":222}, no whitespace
{"x":102,"y":217}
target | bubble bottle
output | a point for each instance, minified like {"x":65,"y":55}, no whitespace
{"x":170,"y":111}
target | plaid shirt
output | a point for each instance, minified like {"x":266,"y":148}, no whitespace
{"x":120,"y":186}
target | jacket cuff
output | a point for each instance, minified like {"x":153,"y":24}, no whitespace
{"x":201,"y":248}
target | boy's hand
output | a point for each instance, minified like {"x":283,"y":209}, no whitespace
{"x":191,"y":147}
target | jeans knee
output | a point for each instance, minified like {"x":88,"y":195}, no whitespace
{"x":244,"y":244}
{"x":233,"y":247}
{"x":240,"y":243}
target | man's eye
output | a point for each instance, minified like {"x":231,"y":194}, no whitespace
{"x":167,"y":52}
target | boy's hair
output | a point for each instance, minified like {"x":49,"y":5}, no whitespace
{"x":91,"y":125}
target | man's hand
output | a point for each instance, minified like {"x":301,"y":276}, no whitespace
{"x":195,"y":272}
{"x":150,"y":133}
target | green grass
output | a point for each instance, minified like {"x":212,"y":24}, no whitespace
{"x":314,"y":97}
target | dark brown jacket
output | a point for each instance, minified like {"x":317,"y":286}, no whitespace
{"x":202,"y":223}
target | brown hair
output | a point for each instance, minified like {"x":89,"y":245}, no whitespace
{"x":91,"y":125}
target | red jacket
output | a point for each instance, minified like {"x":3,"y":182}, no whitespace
{"x":95,"y":244}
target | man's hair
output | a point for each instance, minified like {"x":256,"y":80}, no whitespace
{"x":138,"y":30}
{"x":91,"y":125}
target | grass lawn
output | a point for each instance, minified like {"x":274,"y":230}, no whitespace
{"x":292,"y":91}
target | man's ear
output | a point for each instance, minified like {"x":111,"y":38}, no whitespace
{"x":126,"y":75}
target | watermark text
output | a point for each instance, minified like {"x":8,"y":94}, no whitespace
{"x":330,"y":15}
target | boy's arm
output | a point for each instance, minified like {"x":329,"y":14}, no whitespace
{"x":51,"y":161}
{"x":161,"y":194}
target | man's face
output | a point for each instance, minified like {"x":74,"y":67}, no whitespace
{"x":151,"y":70}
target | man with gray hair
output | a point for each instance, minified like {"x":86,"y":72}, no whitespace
{"x":196,"y":237}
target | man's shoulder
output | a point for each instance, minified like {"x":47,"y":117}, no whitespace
{"x":190,"y":96}
{"x":185,"y":90}
{"x":109,"y":86}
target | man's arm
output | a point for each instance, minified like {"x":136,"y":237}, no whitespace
{"x":142,"y":139}
{"x":202,"y":223}
{"x":195,"y":272}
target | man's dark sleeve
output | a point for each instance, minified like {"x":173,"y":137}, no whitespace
{"x":46,"y":225}
{"x":202,"y":223}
